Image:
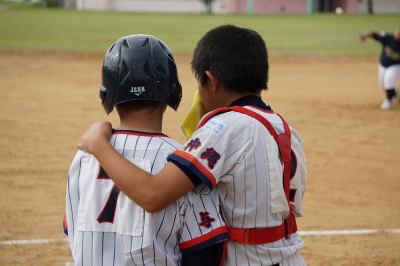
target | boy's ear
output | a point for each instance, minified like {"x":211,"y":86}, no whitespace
{"x":215,"y":84}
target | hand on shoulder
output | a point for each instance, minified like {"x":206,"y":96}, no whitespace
{"x":95,"y":135}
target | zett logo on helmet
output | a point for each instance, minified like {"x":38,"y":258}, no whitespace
{"x":137,"y":90}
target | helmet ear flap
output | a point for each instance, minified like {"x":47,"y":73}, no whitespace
{"x":103,"y":96}
{"x":176,"y":96}
{"x":103,"y":93}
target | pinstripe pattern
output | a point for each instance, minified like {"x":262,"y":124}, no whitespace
{"x":161,"y":234}
{"x":246,"y":179}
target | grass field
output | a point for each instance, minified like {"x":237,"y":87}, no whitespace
{"x":71,"y":30}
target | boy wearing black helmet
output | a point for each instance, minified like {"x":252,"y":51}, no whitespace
{"x":242,"y":148}
{"x":105,"y":227}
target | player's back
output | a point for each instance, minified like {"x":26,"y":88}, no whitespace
{"x":236,"y":153}
{"x":251,"y":191}
{"x":105,"y":226}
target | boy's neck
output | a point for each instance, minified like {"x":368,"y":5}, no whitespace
{"x":142,"y":120}
{"x":228,"y":98}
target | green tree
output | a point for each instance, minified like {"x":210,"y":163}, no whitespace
{"x":208,"y":4}
{"x":51,"y":3}
{"x":370,"y":7}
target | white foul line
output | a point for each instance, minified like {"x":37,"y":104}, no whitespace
{"x":302,"y":233}
{"x":34,"y":241}
{"x":348,"y":232}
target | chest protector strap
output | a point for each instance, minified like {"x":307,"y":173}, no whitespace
{"x":271,"y":234}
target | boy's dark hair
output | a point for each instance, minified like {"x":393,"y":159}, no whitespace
{"x":237,"y":56}
{"x":137,"y":105}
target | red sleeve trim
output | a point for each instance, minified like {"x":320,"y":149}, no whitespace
{"x":197,"y":165}
{"x":201,"y":239}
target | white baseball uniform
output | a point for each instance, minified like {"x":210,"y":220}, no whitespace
{"x":105,"y":227}
{"x":235,"y":154}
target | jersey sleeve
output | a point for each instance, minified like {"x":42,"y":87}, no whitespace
{"x":214,"y":149}
{"x":203,"y":224}
{"x":72,"y":199}
{"x":380,"y":37}
{"x":299,"y":179}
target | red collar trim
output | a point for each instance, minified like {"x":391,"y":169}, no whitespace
{"x":138,"y":133}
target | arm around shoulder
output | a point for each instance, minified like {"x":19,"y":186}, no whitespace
{"x":151,"y":192}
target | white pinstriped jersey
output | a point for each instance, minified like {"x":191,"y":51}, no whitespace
{"x":105,"y":227}
{"x":237,"y":155}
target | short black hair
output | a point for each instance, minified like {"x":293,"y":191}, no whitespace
{"x":137,"y":105}
{"x":237,"y":56}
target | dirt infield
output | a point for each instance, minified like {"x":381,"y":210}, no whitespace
{"x":49,"y":99}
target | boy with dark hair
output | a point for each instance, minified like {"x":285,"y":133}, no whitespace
{"x":237,"y":57}
{"x":241,"y":148}
{"x":104,"y":227}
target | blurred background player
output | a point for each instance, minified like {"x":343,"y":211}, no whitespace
{"x":389,"y":64}
{"x":104,"y":226}
{"x":242,"y":149}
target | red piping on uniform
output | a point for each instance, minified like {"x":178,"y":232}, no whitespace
{"x":140,"y":134}
{"x":197,"y":164}
{"x":262,"y":110}
{"x":203,"y":238}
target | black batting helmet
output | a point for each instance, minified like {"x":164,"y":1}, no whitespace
{"x":139,"y":67}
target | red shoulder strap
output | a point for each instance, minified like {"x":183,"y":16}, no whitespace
{"x":283,"y":139}
{"x":247,"y":112}
{"x":266,"y":235}
{"x":211,"y":114}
